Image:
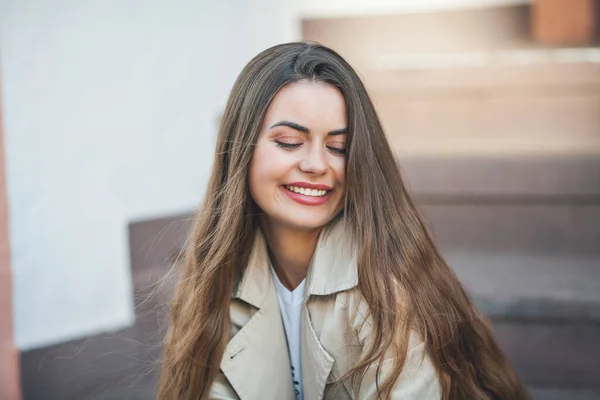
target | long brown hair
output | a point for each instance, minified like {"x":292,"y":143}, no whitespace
{"x":402,"y":277}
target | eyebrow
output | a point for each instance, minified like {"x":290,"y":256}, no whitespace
{"x":304,"y":129}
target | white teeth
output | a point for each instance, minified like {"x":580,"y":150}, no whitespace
{"x":307,"y":192}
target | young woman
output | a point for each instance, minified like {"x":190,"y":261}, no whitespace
{"x":309,"y":273}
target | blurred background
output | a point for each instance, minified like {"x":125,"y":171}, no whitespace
{"x":108,"y":122}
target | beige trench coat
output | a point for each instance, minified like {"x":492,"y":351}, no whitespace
{"x":256,"y":363}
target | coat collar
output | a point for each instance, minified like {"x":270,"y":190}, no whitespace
{"x":256,"y":357}
{"x":333,"y":269}
{"x":256,"y":280}
{"x":333,"y":266}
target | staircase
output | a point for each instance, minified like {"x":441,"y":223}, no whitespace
{"x":498,"y":139}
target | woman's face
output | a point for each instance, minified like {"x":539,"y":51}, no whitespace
{"x":297,"y":173}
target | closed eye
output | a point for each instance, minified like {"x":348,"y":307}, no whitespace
{"x":337,"y":150}
{"x":288,"y":146}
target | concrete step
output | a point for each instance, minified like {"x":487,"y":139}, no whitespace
{"x":439,"y":177}
{"x":96,"y":367}
{"x":505,"y":73}
{"x":563,"y":230}
{"x":469,"y":74}
{"x":548,"y":107}
{"x":570,"y":118}
{"x":534,"y":287}
{"x":557,"y":393}
{"x":553,"y":357}
{"x":362,"y":38}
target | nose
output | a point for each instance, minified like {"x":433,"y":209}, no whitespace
{"x":315,"y":161}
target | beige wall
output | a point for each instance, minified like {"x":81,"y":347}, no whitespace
{"x":9,"y":375}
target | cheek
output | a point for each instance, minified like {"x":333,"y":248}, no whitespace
{"x":339,"y":170}
{"x":257,"y":174}
{"x":264,"y":167}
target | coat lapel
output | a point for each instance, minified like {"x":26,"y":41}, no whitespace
{"x":333,"y":269}
{"x":256,"y":360}
{"x":316,"y":361}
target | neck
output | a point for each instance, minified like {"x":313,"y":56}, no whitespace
{"x":290,"y":250}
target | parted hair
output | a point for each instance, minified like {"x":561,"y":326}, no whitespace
{"x":404,"y":280}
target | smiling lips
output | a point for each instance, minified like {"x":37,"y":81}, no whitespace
{"x":307,"y":193}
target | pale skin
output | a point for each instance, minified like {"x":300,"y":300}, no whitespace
{"x":302,"y":142}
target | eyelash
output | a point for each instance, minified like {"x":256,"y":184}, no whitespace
{"x":292,"y":146}
{"x":341,"y":152}
{"x":288,"y":146}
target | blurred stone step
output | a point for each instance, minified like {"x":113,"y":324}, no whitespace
{"x":545,"y":312}
{"x":574,"y":116}
{"x":154,"y":244}
{"x":531,"y":287}
{"x":544,"y":309}
{"x":470,"y":81}
{"x":95,"y":367}
{"x":547,"y":94}
{"x":547,"y":101}
{"x":559,"y":358}
{"x":554,"y":393}
{"x":563,"y":230}
{"x":483,"y":174}
{"x":514,"y":73}
{"x":362,"y":38}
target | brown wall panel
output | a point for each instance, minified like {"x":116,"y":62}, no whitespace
{"x":565,"y":22}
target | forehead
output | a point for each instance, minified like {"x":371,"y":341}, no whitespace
{"x":316,"y":105}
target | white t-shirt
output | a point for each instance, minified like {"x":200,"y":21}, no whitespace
{"x":290,"y":305}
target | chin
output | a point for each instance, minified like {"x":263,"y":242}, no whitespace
{"x":308,"y":223}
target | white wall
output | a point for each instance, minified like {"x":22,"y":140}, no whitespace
{"x":109,"y":112}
